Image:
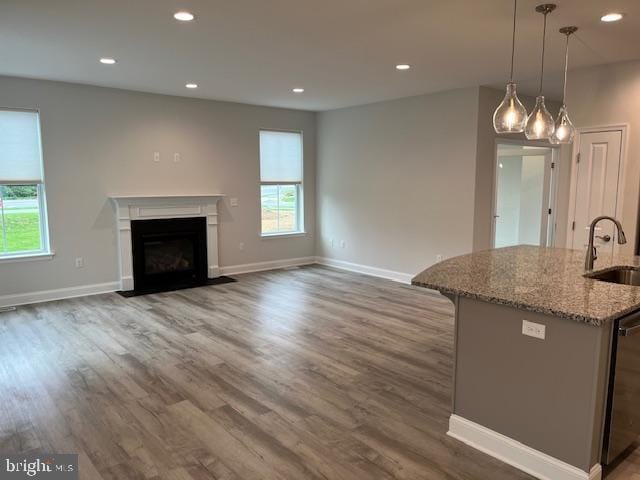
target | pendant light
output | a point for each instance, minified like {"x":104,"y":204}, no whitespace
{"x":540,"y":122}
{"x":510,"y":116}
{"x":564,"y":131}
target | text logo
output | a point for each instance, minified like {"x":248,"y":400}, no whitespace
{"x":55,"y":466}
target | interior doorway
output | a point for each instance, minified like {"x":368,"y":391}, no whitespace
{"x":524,"y":194}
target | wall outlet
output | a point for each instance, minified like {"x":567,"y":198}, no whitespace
{"x":535,"y":330}
{"x":439,"y":257}
{"x":176,"y":158}
{"x":79,"y":262}
{"x":343,"y":244}
{"x":156,"y":156}
{"x":241,"y":246}
{"x":233,"y":201}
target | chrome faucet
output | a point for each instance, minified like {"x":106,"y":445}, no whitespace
{"x":592,"y":254}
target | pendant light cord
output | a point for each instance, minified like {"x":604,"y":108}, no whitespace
{"x":544,"y":36}
{"x":566,"y":66}
{"x":513,"y":39}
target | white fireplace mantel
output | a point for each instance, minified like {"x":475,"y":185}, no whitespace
{"x":148,"y":207}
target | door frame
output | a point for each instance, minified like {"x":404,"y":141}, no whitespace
{"x":550,"y":229}
{"x":622,"y":172}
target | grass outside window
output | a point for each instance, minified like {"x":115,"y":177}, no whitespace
{"x":20,"y":220}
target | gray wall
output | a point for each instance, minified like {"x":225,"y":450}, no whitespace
{"x":607,"y":95}
{"x":397,"y":180}
{"x":425,"y":163}
{"x":100,"y":141}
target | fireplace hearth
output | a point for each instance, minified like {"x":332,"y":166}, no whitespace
{"x":169,"y":253}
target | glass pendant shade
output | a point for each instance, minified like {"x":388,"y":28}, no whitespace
{"x":564,"y":131}
{"x":540,"y":125}
{"x":510,"y":116}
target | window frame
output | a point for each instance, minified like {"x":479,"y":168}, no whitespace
{"x":300,"y":231}
{"x":45,"y":251}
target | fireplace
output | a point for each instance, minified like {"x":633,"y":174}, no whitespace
{"x":138,"y":210}
{"x":169,"y":253}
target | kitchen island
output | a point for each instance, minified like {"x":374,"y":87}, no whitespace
{"x":535,"y":344}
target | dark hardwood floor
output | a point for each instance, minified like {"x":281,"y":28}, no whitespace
{"x":306,"y":373}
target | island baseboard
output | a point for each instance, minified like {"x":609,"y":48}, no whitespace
{"x":516,"y":454}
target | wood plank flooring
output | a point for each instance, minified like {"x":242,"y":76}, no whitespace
{"x":306,"y":373}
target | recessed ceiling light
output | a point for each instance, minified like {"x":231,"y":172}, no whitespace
{"x":108,"y":60}
{"x":403,"y":66}
{"x":298,"y":90}
{"x":184,"y":16}
{"x":191,"y":85}
{"x":612,"y":17}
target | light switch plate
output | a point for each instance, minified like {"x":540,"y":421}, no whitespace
{"x":535,"y":330}
{"x":233,"y":201}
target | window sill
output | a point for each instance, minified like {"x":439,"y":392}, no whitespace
{"x":27,"y":257}
{"x":282,"y":235}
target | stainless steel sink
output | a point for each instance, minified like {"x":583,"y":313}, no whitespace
{"x":622,"y":275}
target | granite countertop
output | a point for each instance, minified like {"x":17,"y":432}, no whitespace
{"x":545,"y":280}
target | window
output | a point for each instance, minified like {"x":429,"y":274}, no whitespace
{"x":281,"y":182}
{"x":23,"y":219}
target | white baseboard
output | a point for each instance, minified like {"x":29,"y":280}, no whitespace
{"x":263,"y":266}
{"x":365,"y":269}
{"x":516,"y":454}
{"x":61,"y":293}
{"x":57,"y":294}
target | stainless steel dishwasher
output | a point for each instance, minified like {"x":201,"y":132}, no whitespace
{"x":622,"y":426}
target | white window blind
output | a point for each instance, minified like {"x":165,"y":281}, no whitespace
{"x":280,"y":157}
{"x":20,"y":153}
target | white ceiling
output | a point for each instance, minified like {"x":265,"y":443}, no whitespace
{"x":343,"y":52}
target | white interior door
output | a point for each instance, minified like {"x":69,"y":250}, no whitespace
{"x":596,"y":191}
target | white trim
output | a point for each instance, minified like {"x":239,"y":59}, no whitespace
{"x":26,"y":257}
{"x":267,"y":236}
{"x":58,"y":294}
{"x":624,"y":168}
{"x":163,"y":197}
{"x":366,"y":269}
{"x":71,"y":292}
{"x":263,"y":266}
{"x":516,"y":454}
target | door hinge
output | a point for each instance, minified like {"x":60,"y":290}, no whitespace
{"x":573,"y":225}
{"x":578,"y":158}
{"x":549,"y":211}
{"x":553,"y":165}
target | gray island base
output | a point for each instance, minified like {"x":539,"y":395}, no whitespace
{"x":535,"y":351}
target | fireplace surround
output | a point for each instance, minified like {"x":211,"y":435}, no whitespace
{"x":131,"y":209}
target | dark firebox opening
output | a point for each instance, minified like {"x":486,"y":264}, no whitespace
{"x":169,"y":253}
